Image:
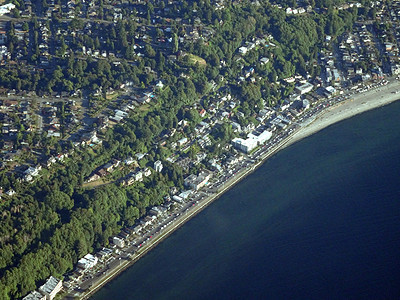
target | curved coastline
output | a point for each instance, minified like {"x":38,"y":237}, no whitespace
{"x":356,"y":104}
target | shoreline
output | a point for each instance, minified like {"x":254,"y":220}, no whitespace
{"x":356,"y":104}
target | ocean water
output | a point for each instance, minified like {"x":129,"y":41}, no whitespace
{"x":319,"y":220}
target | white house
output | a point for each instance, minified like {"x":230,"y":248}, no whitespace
{"x":87,"y":262}
{"x":33,"y":171}
{"x":146,"y":172}
{"x":10,"y":192}
{"x":158,"y":166}
{"x":243,"y":50}
{"x":182,"y":141}
{"x":6,"y":8}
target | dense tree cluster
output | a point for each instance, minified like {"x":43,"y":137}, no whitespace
{"x":49,"y":226}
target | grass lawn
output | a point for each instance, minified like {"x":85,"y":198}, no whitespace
{"x":194,"y":58}
{"x":112,"y":96}
{"x":95,"y":184}
{"x":142,"y":109}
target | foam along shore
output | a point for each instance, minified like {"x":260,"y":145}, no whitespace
{"x":355,"y":104}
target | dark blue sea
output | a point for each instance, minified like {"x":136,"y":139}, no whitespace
{"x":319,"y":220}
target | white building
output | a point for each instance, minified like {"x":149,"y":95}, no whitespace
{"x":146,"y":172}
{"x":185,"y":194}
{"x":87,"y":262}
{"x":51,"y":287}
{"x":139,"y":156}
{"x":244,"y":145}
{"x":331,"y":90}
{"x":118,"y":241}
{"x":33,"y":171}
{"x":306,"y":104}
{"x":252,"y":141}
{"x":10,"y":192}
{"x":243,"y":50}
{"x":182,"y":141}
{"x":260,"y":138}
{"x":158,"y":166}
{"x":129,"y":161}
{"x":176,"y":198}
{"x":28,"y":178}
{"x":138,"y":175}
{"x":336,"y":76}
{"x":6,"y":8}
{"x":264,"y":60}
{"x":35,"y":295}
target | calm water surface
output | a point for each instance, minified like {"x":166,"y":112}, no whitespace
{"x":319,"y":220}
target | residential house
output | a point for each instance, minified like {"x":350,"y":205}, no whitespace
{"x":87,"y":262}
{"x":158,"y":166}
{"x":148,"y":220}
{"x":108,"y":167}
{"x":10,"y":192}
{"x":243,"y":50}
{"x":129,"y":161}
{"x":143,"y":99}
{"x":130,"y":180}
{"x":202,"y":112}
{"x":139,"y":156}
{"x":33,"y":171}
{"x":6,"y":8}
{"x":101,"y":172}
{"x":138,"y":175}
{"x":146,"y":172}
{"x":51,"y":160}
{"x":94,"y":177}
{"x":182,"y":141}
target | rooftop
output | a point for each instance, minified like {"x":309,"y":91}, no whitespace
{"x":34,"y":296}
{"x":50,"y":285}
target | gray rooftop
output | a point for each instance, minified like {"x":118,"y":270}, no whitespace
{"x":33,"y":296}
{"x":50,"y":285}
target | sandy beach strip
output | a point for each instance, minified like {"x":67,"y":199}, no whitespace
{"x":356,"y":104}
